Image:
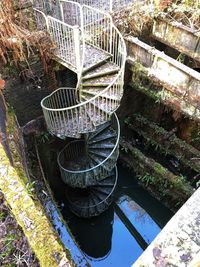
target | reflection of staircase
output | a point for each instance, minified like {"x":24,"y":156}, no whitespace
{"x":89,"y":44}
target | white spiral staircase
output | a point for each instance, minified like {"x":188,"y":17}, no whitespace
{"x":88,"y":43}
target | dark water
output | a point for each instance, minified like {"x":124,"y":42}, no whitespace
{"x":118,"y":236}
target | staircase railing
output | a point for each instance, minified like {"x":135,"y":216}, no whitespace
{"x":72,"y":14}
{"x":80,"y":33}
{"x":48,"y":6}
{"x":99,"y":31}
{"x":64,"y":116}
{"x":82,"y":177}
{"x":108,"y":6}
{"x":66,"y":38}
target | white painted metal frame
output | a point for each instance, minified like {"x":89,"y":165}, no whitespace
{"x":67,"y":37}
{"x":98,"y":30}
{"x":74,"y":150}
{"x":106,"y":5}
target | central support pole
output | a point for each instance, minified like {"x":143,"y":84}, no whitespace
{"x":111,"y":6}
{"x":77,"y":49}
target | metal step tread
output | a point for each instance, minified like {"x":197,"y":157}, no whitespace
{"x":94,"y":57}
{"x":92,"y":201}
{"x":86,"y":202}
{"x":105,"y":69}
{"x":101,"y":194}
{"x":104,"y":190}
{"x":101,"y":105}
{"x":89,"y":126}
{"x":102,"y":146}
{"x":108,"y":143}
{"x":100,"y":81}
{"x":92,"y":165}
{"x":97,"y":115}
{"x":95,"y":159}
{"x":103,"y":137}
{"x":108,"y":181}
{"x":102,"y":153}
{"x":97,"y":198}
{"x":99,"y":129}
{"x":98,"y":160}
{"x":78,"y":164}
{"x":99,"y":173}
{"x":93,"y":91}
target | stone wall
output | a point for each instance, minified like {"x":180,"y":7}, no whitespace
{"x":178,"y":244}
{"x":31,"y":217}
{"x":178,"y":86}
{"x":25,"y":95}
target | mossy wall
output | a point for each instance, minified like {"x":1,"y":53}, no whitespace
{"x":31,"y":217}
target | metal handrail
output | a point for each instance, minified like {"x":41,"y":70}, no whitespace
{"x":70,"y":2}
{"x":61,"y":22}
{"x":98,"y":165}
{"x":108,"y":6}
{"x":110,"y":85}
{"x":78,"y":105}
{"x":115,"y":45}
{"x":43,"y":15}
{"x":81,"y":27}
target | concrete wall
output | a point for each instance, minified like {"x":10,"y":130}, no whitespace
{"x":178,"y":244}
{"x":180,"y":84}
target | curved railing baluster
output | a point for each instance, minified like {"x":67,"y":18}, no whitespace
{"x":79,"y":28}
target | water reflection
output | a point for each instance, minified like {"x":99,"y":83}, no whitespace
{"x":140,"y":214}
{"x":107,"y":240}
{"x":94,"y":235}
{"x":140,"y":219}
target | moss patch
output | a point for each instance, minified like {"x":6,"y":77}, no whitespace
{"x":12,"y":131}
{"x":30,"y":216}
{"x":171,"y":189}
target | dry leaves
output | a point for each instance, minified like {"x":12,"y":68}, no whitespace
{"x":17,"y":43}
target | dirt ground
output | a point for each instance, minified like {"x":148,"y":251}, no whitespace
{"x":14,"y":248}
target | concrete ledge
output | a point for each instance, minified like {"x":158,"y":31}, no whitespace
{"x":31,"y":217}
{"x":177,"y":36}
{"x":178,"y":244}
{"x":177,"y":79}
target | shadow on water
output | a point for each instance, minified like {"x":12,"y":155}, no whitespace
{"x":95,"y":243}
{"x":119,"y":235}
